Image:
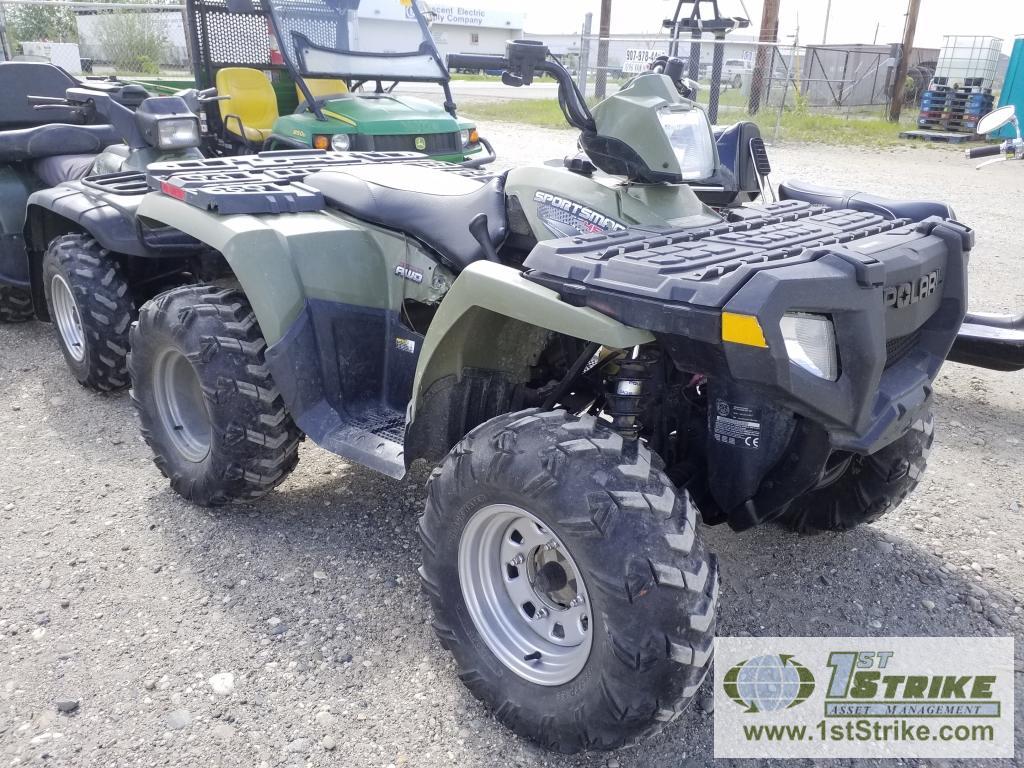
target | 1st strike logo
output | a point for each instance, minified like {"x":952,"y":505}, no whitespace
{"x":565,"y":217}
{"x":905,"y":294}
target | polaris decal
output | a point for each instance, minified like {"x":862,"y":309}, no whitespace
{"x":905,"y":294}
{"x":409,"y":273}
{"x":565,"y":217}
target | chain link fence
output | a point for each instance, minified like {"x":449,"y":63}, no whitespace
{"x":740,"y":78}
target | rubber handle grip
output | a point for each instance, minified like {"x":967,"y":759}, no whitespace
{"x":474,"y":61}
{"x":991,"y":151}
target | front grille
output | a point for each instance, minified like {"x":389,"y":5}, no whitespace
{"x":898,"y":348}
{"x":436,"y":143}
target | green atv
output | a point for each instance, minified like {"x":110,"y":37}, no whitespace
{"x":298,"y":74}
{"x":597,"y":359}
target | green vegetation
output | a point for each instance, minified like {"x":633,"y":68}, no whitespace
{"x":133,"y":42}
{"x":31,"y":23}
{"x":798,"y":125}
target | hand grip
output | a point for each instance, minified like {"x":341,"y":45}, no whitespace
{"x":475,"y":61}
{"x":990,"y":151}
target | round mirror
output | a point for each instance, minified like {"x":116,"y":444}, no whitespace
{"x":993,"y":121}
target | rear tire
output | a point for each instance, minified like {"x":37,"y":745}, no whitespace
{"x":208,"y":406}
{"x":91,"y":309}
{"x":869,"y":487}
{"x":628,"y":543}
{"x":15,"y":305}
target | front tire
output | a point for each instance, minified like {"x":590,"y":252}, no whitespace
{"x":868,"y":487}
{"x":15,"y":305}
{"x":207,"y":403}
{"x":91,"y":309}
{"x":539,"y":520}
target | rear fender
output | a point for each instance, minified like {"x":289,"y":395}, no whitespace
{"x":282,"y":262}
{"x":494,"y":319}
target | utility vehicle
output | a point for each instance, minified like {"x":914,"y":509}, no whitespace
{"x":597,"y":359}
{"x":987,"y":339}
{"x":74,"y":253}
{"x":301,"y":74}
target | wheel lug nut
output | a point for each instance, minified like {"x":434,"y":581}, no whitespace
{"x":551,"y":545}
{"x":517,"y":560}
{"x":576,"y":602}
{"x":540,"y":613}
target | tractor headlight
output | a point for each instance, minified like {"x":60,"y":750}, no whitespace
{"x":811,"y":343}
{"x":689,"y":133}
{"x":464,"y":134}
{"x":177,"y":133}
{"x":341,"y":142}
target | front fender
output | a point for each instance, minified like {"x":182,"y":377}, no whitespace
{"x":113,"y":227}
{"x":489,"y":319}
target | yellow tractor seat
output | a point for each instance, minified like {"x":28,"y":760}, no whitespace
{"x":250,"y":110}
{"x":321,"y":87}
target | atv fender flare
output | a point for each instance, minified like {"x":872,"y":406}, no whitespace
{"x":51,"y":211}
{"x":493,"y":318}
{"x":259,"y":253}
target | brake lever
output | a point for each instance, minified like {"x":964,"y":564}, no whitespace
{"x":991,"y":161}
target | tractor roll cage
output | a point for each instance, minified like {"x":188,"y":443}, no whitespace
{"x":310,"y":33}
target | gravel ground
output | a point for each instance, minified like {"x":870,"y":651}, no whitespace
{"x":138,"y":630}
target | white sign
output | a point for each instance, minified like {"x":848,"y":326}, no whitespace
{"x":838,"y":697}
{"x":638,"y":59}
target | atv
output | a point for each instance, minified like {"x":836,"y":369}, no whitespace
{"x":75,"y":255}
{"x":597,"y":359}
{"x":41,"y":145}
{"x":298,"y":74}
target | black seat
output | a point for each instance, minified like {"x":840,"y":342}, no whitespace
{"x":431,"y":205}
{"x":915,"y":210}
{"x":55,"y":139}
{"x":60,"y":168}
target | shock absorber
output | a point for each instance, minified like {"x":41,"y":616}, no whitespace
{"x":625,"y":391}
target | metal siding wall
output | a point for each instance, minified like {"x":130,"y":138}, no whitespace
{"x":1013,"y":88}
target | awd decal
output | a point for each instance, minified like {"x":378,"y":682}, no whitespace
{"x":905,"y":294}
{"x":565,"y":217}
{"x":406,"y":271}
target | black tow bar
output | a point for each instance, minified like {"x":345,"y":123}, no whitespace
{"x":990,"y":341}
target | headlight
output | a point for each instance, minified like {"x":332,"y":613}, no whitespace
{"x":464,"y":133}
{"x":177,"y":133}
{"x":689,"y":133}
{"x":811,"y":343}
{"x":341,"y":142}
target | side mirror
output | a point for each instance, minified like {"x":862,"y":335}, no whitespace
{"x":993,"y":121}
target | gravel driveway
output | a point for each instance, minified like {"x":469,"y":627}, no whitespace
{"x":293,"y":632}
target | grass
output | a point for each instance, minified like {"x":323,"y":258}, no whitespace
{"x":796,"y":125}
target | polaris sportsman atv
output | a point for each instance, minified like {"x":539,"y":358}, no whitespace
{"x":597,"y":359}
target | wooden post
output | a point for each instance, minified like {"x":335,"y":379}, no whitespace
{"x":765,"y":56}
{"x":896,"y":96}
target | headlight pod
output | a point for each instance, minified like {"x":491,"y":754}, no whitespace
{"x":464,"y":135}
{"x":811,"y":343}
{"x":177,"y":133}
{"x":341,"y":142}
{"x":689,"y":134}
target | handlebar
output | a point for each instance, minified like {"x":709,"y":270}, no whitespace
{"x":990,"y":151}
{"x":522,"y":59}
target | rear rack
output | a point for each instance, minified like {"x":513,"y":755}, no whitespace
{"x":269,"y":182}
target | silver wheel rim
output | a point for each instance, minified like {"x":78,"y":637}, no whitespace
{"x":525,"y":594}
{"x":181,"y":405}
{"x":67,"y":318}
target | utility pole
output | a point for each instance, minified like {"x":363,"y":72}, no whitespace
{"x":765,"y":54}
{"x":909,"y":30}
{"x":828,"y":15}
{"x":605,"y":28}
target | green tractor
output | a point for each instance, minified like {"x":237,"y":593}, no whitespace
{"x":597,"y":359}
{"x":297,"y":74}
